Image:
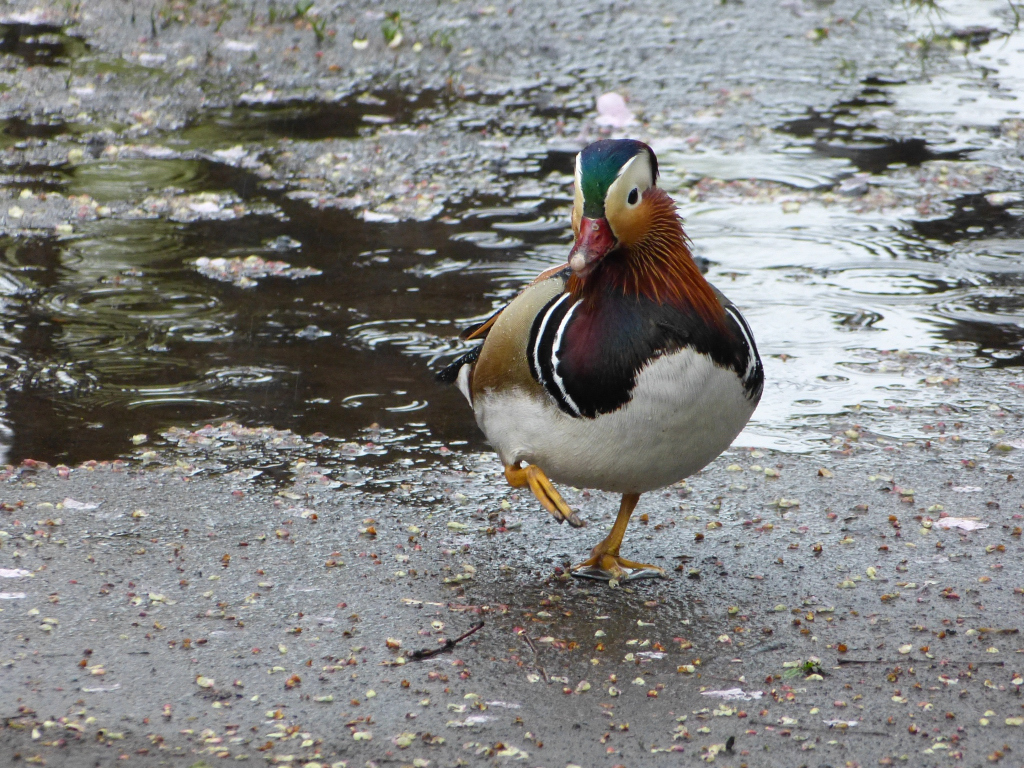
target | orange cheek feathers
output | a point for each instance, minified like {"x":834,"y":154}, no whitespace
{"x":632,"y":226}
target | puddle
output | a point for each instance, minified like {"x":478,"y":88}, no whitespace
{"x":798,"y":168}
{"x":20,"y":128}
{"x":116,"y":331}
{"x":982,"y":93}
{"x":40,"y":44}
{"x":824,"y":287}
{"x":217,"y":298}
{"x":109,"y":181}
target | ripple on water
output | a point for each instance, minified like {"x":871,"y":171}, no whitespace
{"x":488,"y":239}
{"x":245,"y":376}
{"x":135,"y":179}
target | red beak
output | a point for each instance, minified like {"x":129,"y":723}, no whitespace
{"x":594,"y":242}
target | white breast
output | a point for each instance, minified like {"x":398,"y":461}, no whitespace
{"x":685,"y":411}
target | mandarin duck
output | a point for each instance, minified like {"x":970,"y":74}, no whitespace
{"x":622,"y":370}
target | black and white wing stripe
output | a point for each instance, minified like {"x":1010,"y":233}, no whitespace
{"x":588,"y":361}
{"x":542,"y":350}
{"x":753,"y":373}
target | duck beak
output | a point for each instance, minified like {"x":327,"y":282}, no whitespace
{"x":594,"y":242}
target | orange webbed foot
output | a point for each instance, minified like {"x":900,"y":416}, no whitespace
{"x":546,"y":494}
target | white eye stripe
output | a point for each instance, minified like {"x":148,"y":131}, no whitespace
{"x":577,"y":193}
{"x":625,"y":166}
{"x":636,"y":173}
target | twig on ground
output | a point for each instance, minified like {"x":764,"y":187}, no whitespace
{"x":426,"y":653}
{"x":529,"y":642}
{"x":536,"y":655}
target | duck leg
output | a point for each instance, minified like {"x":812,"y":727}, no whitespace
{"x":604,"y":562}
{"x":550,"y":499}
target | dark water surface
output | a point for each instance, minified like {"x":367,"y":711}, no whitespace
{"x":40,"y":44}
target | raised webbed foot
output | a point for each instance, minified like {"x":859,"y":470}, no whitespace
{"x":550,"y":499}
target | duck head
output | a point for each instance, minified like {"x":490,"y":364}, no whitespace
{"x":612,"y":208}
{"x":628,"y":234}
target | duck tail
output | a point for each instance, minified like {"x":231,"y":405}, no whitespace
{"x":450,"y":373}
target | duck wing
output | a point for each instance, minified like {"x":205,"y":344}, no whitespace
{"x":450,"y":373}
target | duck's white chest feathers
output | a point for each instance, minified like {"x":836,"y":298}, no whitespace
{"x":684,"y":411}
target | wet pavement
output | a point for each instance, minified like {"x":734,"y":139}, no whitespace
{"x":276,"y":619}
{"x":271,"y":222}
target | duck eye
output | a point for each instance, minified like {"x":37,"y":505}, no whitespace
{"x":634,"y":195}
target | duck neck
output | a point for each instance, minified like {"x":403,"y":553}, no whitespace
{"x":659,"y":267}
